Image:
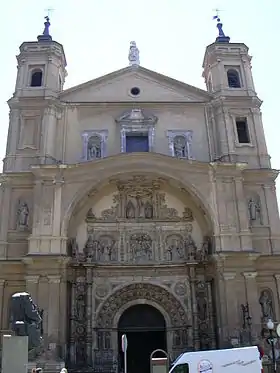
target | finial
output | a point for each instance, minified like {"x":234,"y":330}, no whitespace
{"x":222,"y":38}
{"x":133,"y":56}
{"x":46,"y":33}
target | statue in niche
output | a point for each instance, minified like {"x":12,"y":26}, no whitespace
{"x":187,"y":214}
{"x":141,"y":247}
{"x":130,"y":210}
{"x":266,"y":304}
{"x":110,"y":250}
{"x":22,"y":215}
{"x":148,"y":210}
{"x":180,"y":147}
{"x":80,"y":308}
{"x":94,"y":148}
{"x":254,"y":208}
{"x":175,"y":249}
{"x":190,"y":248}
{"x":107,"y":340}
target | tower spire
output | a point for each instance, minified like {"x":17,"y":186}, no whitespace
{"x":46,"y":33}
{"x":221,"y":38}
{"x":133,"y":56}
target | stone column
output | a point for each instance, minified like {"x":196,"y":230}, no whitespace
{"x":53,"y":309}
{"x":57,"y":207}
{"x":32,"y":286}
{"x":277,"y":299}
{"x":2,"y":287}
{"x":89,"y":312}
{"x":231,"y":303}
{"x":252,"y":297}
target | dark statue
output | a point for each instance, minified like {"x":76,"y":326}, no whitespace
{"x":26,"y":319}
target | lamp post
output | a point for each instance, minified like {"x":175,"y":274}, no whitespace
{"x":271,"y":341}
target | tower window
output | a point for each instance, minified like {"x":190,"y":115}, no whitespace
{"x":233,"y":79}
{"x":242,"y":131}
{"x":36,"y":78}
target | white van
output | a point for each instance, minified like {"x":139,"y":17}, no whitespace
{"x":234,"y":360}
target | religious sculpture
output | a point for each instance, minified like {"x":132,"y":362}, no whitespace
{"x":266,"y":305}
{"x":187,"y":214}
{"x":180,"y":147}
{"x":141,"y":247}
{"x":22,"y":215}
{"x":26,"y":319}
{"x":80,"y":308}
{"x":133,"y":55}
{"x":254,"y":208}
{"x":94,"y":148}
{"x":47,"y":24}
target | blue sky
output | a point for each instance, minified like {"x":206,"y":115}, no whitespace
{"x":171,"y":36}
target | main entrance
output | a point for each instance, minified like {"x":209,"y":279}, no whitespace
{"x":145,"y":329}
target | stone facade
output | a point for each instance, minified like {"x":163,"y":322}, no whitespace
{"x":190,"y":227}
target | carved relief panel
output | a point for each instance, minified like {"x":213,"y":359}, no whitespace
{"x":30,"y":124}
{"x":140,"y":227}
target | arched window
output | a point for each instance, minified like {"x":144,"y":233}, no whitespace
{"x":36,"y":78}
{"x":94,"y":148}
{"x":180,"y":147}
{"x":233,"y":79}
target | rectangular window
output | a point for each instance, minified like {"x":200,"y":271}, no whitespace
{"x":137,"y":143}
{"x":242,"y":131}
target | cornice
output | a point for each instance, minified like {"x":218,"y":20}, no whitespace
{"x":260,"y":175}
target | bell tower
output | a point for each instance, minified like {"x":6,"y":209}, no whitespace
{"x":227,"y":67}
{"x":34,"y":107}
{"x":236,"y":121}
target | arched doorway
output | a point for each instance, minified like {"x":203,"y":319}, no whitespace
{"x":145,"y":329}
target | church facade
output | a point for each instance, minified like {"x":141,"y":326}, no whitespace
{"x":135,"y":203}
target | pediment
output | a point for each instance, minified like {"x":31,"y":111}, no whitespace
{"x":116,"y":87}
{"x":137,"y":116}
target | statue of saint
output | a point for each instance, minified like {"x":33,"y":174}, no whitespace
{"x":266,"y":304}
{"x":133,"y":55}
{"x":23,"y":215}
{"x":254,"y":210}
{"x":94,"y":148}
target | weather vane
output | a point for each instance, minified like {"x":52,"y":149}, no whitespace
{"x":49,"y":11}
{"x":222,"y":38}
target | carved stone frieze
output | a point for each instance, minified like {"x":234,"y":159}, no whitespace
{"x":140,"y":198}
{"x":164,"y":298}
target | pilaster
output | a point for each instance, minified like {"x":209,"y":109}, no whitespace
{"x":231,"y":302}
{"x":32,"y":286}
{"x":53,"y":308}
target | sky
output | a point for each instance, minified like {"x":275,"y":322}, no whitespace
{"x":170,"y":34}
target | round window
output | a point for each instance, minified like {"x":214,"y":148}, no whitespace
{"x":135,"y":91}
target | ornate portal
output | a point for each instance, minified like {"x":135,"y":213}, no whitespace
{"x":140,"y":230}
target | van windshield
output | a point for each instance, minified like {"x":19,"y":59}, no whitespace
{"x":181,"y":368}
